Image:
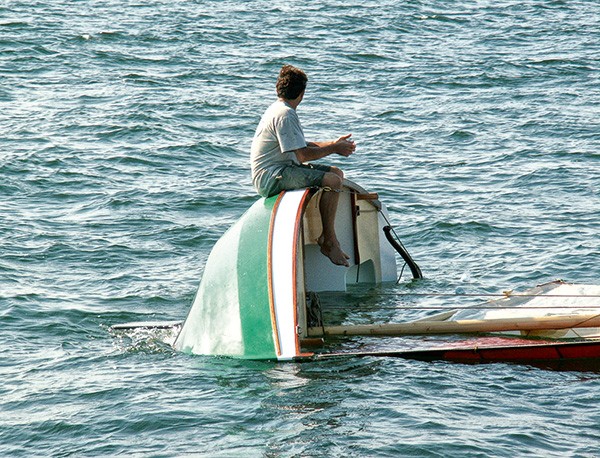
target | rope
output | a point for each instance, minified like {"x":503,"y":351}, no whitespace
{"x":579,"y":325}
{"x":328,"y":189}
{"x":401,"y":272}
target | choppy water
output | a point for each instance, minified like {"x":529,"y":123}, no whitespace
{"x":125,"y":132}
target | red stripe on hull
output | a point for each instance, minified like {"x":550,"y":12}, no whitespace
{"x":518,"y":352}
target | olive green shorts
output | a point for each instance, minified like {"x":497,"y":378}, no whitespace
{"x":296,"y":176}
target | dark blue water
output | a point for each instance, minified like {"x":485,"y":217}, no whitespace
{"x":125,"y":130}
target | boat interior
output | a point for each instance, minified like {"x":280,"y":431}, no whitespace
{"x":360,"y":219}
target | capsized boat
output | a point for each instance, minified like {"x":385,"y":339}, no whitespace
{"x":258,"y":297}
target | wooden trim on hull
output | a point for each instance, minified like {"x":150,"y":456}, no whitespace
{"x":284,"y":238}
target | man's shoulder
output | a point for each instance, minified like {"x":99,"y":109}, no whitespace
{"x":280,"y":109}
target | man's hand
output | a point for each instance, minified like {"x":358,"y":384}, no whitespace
{"x":344,"y":146}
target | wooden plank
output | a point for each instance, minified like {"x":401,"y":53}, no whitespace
{"x":460,"y":326}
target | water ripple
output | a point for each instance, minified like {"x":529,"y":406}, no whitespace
{"x":125,"y":136}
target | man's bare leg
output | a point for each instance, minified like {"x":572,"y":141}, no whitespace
{"x":330,"y":246}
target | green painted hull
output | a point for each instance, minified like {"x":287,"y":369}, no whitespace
{"x":231,"y":314}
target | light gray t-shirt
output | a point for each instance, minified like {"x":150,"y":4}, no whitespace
{"x":277,"y":136}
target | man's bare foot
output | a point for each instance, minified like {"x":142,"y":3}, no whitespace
{"x":333,"y":252}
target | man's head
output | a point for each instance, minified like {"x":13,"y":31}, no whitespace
{"x":291,"y":82}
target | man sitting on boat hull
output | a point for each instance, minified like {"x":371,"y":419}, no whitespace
{"x":280,"y":154}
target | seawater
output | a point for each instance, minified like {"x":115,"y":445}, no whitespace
{"x":125,"y":130}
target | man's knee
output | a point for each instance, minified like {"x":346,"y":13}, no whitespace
{"x":337,"y":171}
{"x":332,"y":180}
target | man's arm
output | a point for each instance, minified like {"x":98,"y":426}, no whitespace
{"x":343,"y":146}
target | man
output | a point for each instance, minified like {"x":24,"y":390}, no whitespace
{"x":280,"y":155}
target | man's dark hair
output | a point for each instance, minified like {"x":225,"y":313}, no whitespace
{"x":291,"y":82}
